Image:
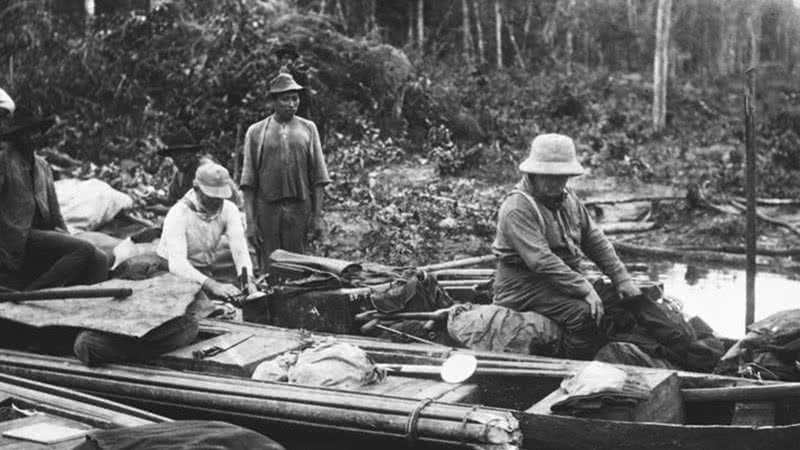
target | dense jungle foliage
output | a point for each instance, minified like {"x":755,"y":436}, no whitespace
{"x":391,"y":93}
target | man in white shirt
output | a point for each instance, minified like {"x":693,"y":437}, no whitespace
{"x":194,"y":228}
{"x":192,"y":232}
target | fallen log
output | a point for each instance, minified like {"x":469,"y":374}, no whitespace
{"x":737,"y":207}
{"x":626,"y":227}
{"x":768,"y":219}
{"x":772,"y":201}
{"x":647,"y":198}
{"x":741,"y":250}
{"x":668,"y":253}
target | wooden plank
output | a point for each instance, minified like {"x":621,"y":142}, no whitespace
{"x":754,"y":414}
{"x":8,"y":443}
{"x":248,"y":351}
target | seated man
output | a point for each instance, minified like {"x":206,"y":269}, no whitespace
{"x":194,"y":227}
{"x":35,"y":250}
{"x":543,"y":231}
{"x":192,"y":232}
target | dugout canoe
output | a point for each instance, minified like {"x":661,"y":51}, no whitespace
{"x":35,"y":415}
{"x":501,"y":408}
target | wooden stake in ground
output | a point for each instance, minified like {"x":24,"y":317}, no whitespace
{"x":750,"y":188}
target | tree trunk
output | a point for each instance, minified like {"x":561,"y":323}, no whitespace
{"x":466,"y":32}
{"x":340,"y":14}
{"x":726,"y":58}
{"x":479,"y":30}
{"x":660,"y":65}
{"x":371,"y":21}
{"x":526,"y":28}
{"x":754,"y":35}
{"x":570,"y":35}
{"x":411,"y":22}
{"x":420,"y":25}
{"x":633,"y":17}
{"x":498,"y":32}
{"x":323,"y":6}
{"x":514,"y":45}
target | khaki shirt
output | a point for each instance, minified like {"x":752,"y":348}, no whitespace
{"x":283,"y":161}
{"x":551,"y":245}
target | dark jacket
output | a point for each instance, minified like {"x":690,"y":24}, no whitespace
{"x":28,"y":200}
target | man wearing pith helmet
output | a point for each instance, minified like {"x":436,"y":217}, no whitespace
{"x":543,"y":231}
{"x":283,"y":175}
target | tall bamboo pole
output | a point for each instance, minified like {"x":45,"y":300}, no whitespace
{"x":498,"y":32}
{"x":420,"y":25}
{"x":661,"y":64}
{"x":750,"y":189}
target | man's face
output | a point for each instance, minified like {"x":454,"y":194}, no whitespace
{"x":548,"y":185}
{"x":286,"y":104}
{"x":184,"y":160}
{"x":210,"y":204}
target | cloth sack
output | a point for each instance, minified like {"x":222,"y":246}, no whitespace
{"x":498,"y":329}
{"x":768,"y":351}
{"x":89,"y":204}
{"x":327,"y":364}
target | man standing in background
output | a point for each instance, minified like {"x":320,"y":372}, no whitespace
{"x":283,"y":175}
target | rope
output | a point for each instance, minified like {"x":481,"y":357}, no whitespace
{"x":413,"y":419}
{"x":463,"y":440}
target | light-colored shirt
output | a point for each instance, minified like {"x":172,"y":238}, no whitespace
{"x":283,"y":160}
{"x":189,"y":241}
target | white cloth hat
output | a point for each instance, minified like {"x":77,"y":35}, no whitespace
{"x":552,"y":154}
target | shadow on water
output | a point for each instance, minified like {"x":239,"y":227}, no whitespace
{"x":717,"y":294}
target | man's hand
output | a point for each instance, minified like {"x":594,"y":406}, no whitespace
{"x":596,"y":304}
{"x":220,"y":290}
{"x":317,"y":228}
{"x":628,"y":289}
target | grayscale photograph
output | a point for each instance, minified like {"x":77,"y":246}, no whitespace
{"x":394,"y":224}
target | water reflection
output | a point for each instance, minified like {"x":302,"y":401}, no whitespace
{"x":717,"y":295}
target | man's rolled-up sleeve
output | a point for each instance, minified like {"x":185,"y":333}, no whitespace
{"x":318,"y":175}
{"x":249,"y":176}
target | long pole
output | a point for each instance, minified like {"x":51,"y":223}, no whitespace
{"x":750,"y":188}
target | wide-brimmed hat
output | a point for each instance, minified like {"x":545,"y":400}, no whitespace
{"x":283,"y":82}
{"x":214,"y":180}
{"x":287,"y":49}
{"x":25,"y":122}
{"x":7,"y":103}
{"x":552,"y":154}
{"x":180,"y":141}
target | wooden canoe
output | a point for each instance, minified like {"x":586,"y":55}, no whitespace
{"x":718,"y":412}
{"x":58,"y":417}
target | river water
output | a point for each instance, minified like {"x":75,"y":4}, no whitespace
{"x":717,"y":295}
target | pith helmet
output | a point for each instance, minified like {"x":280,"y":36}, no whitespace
{"x":552,"y":154}
{"x":6,"y":103}
{"x":283,"y":82}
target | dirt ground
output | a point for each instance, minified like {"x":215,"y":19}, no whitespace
{"x":679,"y":225}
